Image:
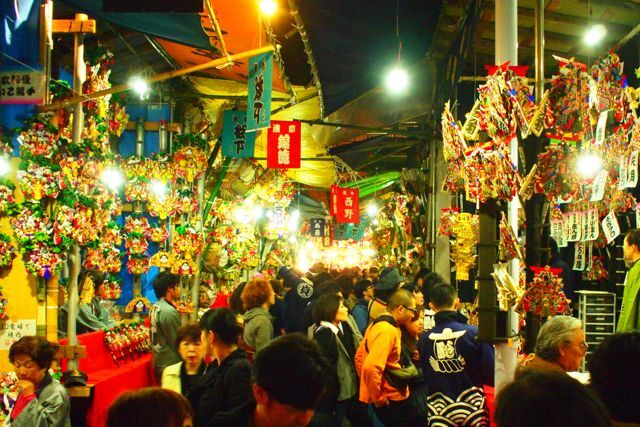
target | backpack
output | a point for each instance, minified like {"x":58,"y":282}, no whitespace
{"x":397,"y":378}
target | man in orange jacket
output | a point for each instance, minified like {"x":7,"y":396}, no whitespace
{"x":378,"y":353}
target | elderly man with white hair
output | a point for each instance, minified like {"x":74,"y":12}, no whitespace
{"x":560,"y":346}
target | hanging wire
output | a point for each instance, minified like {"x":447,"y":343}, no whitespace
{"x":398,"y":30}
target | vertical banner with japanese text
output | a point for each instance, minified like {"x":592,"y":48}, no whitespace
{"x":348,"y":205}
{"x":236,"y":142}
{"x":333,"y":199}
{"x":283,"y":145}
{"x":259,"y":103}
{"x":316,"y":227}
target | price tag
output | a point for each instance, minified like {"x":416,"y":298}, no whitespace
{"x":579,"y":258}
{"x":600,"y":129}
{"x":598,"y":186}
{"x":574,"y":226}
{"x":622,"y":173}
{"x":610,"y":227}
{"x":593,"y":231}
{"x":632,"y":170}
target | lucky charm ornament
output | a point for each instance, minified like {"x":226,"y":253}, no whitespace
{"x":465,"y":230}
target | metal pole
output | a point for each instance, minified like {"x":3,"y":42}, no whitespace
{"x":162,"y":139}
{"x":140,"y":137}
{"x":46,"y":44}
{"x":72,"y":313}
{"x":506,"y":13}
{"x":195,"y":284}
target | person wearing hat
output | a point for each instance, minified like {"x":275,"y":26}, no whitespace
{"x":388,"y":282}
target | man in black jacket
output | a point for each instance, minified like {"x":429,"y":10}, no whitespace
{"x":290,"y":377}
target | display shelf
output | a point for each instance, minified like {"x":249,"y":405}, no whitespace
{"x":597,"y":311}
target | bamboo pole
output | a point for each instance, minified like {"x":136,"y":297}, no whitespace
{"x":159,"y":77}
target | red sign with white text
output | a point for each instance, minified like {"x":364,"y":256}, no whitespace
{"x":283,"y":144}
{"x":348,"y":205}
{"x":333,"y":199}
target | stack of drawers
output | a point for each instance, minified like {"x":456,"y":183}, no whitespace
{"x":597,"y":311}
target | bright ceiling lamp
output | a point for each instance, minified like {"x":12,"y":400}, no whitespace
{"x":139,"y":86}
{"x":397,"y":80}
{"x":589,"y":165}
{"x":595,"y":34}
{"x":159,"y":188}
{"x":372,"y":209}
{"x":268,"y":7}
{"x":112,"y":178}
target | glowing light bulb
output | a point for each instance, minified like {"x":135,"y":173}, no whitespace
{"x":268,"y":7}
{"x":397,"y":81}
{"x":372,"y":209}
{"x":589,"y":165}
{"x":112,"y":178}
{"x":294,"y":217}
{"x":595,"y":34}
{"x":158,"y":188}
{"x":5,"y":166}
{"x":140,"y":86}
{"x":256,"y":213}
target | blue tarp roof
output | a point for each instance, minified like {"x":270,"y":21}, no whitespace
{"x":183,"y":28}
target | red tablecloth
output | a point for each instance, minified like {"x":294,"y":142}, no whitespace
{"x":491,"y":401}
{"x":106,"y":380}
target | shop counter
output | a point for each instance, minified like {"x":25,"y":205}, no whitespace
{"x":105,"y":379}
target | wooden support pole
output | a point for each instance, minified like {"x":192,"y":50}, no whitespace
{"x":159,"y":78}
{"x":487,"y":255}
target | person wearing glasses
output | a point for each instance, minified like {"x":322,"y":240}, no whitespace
{"x":560,"y":346}
{"x":455,"y":365}
{"x":378,"y":354}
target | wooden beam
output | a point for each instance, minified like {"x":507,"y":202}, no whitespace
{"x":154,"y":126}
{"x":71,"y":352}
{"x":73,"y":26}
{"x":158,"y":78}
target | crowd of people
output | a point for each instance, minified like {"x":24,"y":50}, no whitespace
{"x":359,"y":347}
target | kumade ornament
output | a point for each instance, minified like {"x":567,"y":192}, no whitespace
{"x":7,"y":197}
{"x":554,"y":177}
{"x":7,"y":252}
{"x":465,"y":230}
{"x":543,"y":295}
{"x":189,"y":163}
